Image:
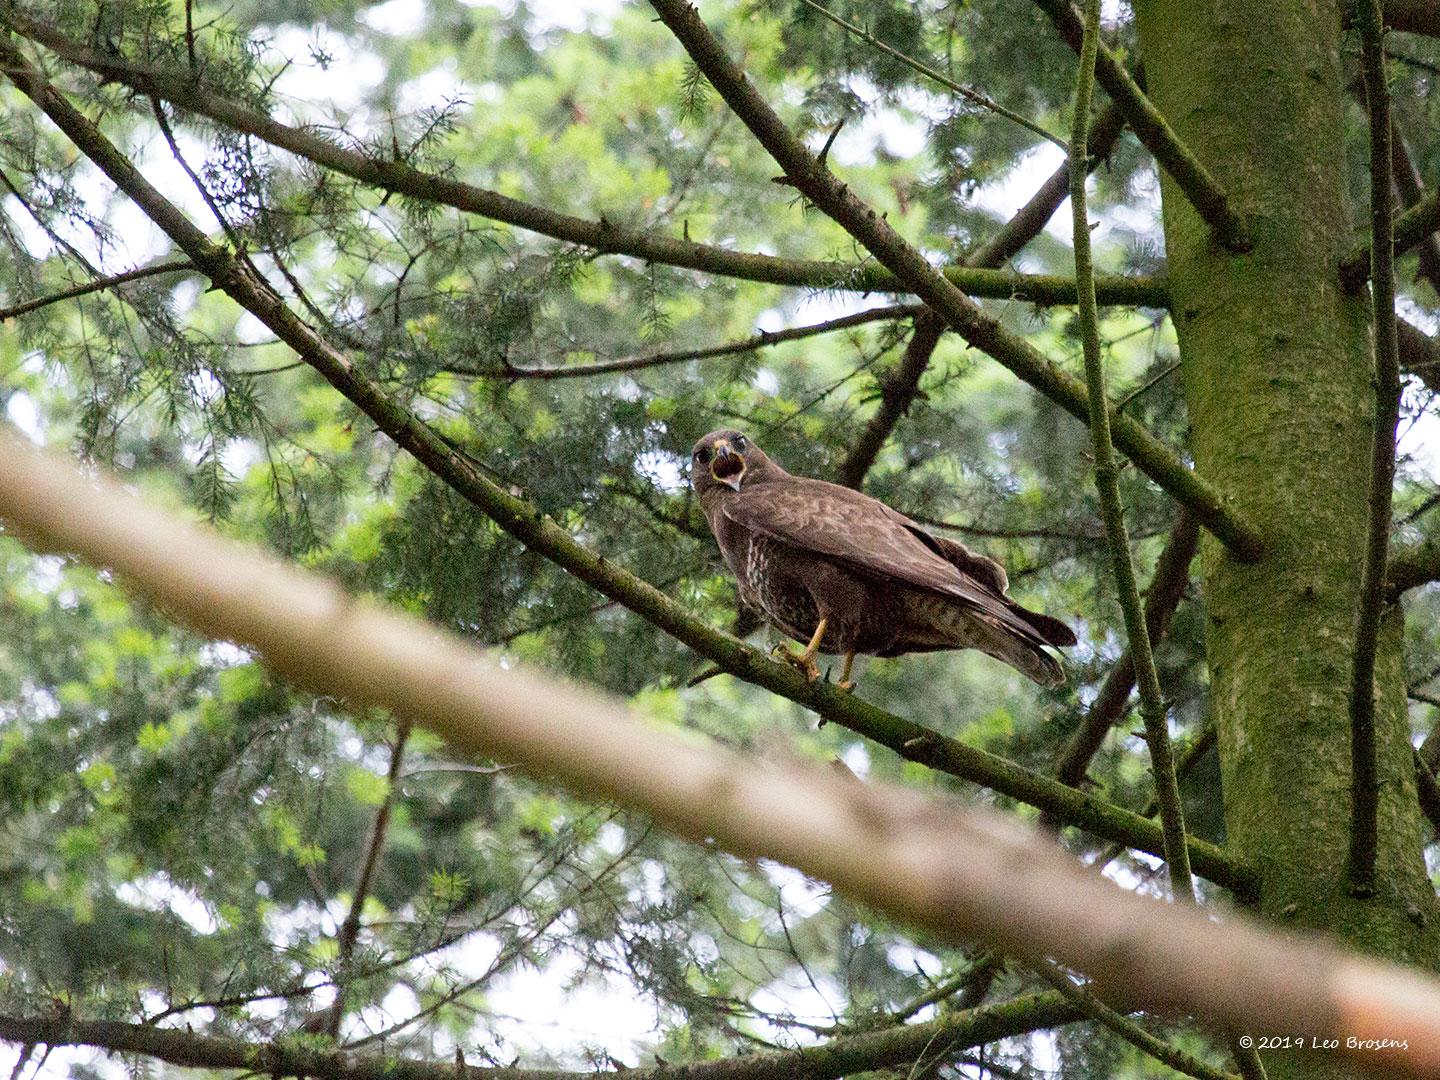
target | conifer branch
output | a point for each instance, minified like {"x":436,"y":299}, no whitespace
{"x":174,"y":266}
{"x":1406,"y":231}
{"x":1107,"y":482}
{"x":181,"y":88}
{"x":1364,"y":779}
{"x":899,"y":1046}
{"x":1412,"y":567}
{"x":522,"y":520}
{"x":970,"y":94}
{"x":810,"y":176}
{"x":763,"y":340}
{"x":1156,"y":135}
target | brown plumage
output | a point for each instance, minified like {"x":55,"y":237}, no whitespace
{"x":847,"y":574}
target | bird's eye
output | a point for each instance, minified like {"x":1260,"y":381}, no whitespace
{"x":704,"y":456}
{"x":740,"y":443}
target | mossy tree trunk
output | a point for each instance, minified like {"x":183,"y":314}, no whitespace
{"x":1279,"y":383}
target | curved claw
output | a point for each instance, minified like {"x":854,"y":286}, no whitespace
{"x":803,"y":661}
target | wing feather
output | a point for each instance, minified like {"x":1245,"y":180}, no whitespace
{"x":871,"y":538}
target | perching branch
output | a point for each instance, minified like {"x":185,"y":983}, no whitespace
{"x":1107,"y":482}
{"x":968,"y":93}
{"x":1150,"y":127}
{"x":527,"y":524}
{"x":1364,"y":779}
{"x":958,"y":873}
{"x":181,"y":88}
{"x":175,"y":266}
{"x":809,"y":175}
{"x":762,"y":340}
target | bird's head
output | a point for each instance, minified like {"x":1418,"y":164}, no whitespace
{"x":726,"y":459}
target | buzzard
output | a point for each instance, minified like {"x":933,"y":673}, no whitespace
{"x":847,"y":574}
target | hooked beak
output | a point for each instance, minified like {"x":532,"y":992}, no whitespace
{"x":728,"y":466}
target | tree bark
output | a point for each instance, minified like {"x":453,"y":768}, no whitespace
{"x":1278,"y":381}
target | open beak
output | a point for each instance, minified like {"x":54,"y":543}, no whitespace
{"x":728,"y":466}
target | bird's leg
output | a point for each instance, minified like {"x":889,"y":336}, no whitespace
{"x":805,"y":661}
{"x":845,"y":682}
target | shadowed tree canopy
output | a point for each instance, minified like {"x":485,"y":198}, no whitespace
{"x":436,"y":298}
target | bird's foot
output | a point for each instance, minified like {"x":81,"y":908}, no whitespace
{"x":803,"y":661}
{"x":845,"y":684}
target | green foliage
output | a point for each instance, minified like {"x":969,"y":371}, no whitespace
{"x":185,"y":833}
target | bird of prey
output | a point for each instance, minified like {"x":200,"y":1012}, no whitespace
{"x":847,"y":574}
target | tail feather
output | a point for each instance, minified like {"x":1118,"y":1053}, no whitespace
{"x":1052,"y":630}
{"x":1024,"y":655}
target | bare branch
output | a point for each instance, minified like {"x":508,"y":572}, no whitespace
{"x":1126,"y":1028}
{"x":897,"y":391}
{"x":1167,"y":586}
{"x":1107,"y":482}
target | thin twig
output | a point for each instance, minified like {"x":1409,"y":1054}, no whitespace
{"x":967,"y":92}
{"x":350,"y":929}
{"x":1364,"y":780}
{"x":98,"y":285}
{"x":762,"y":340}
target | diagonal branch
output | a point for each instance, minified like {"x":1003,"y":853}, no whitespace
{"x":1126,"y":1028}
{"x":180,"y":88}
{"x":527,"y":524}
{"x":349,"y":934}
{"x":1364,"y":778}
{"x":898,"y":390}
{"x":810,"y":176}
{"x":1155,"y":134}
{"x":1407,"y":230}
{"x":925,"y":861}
